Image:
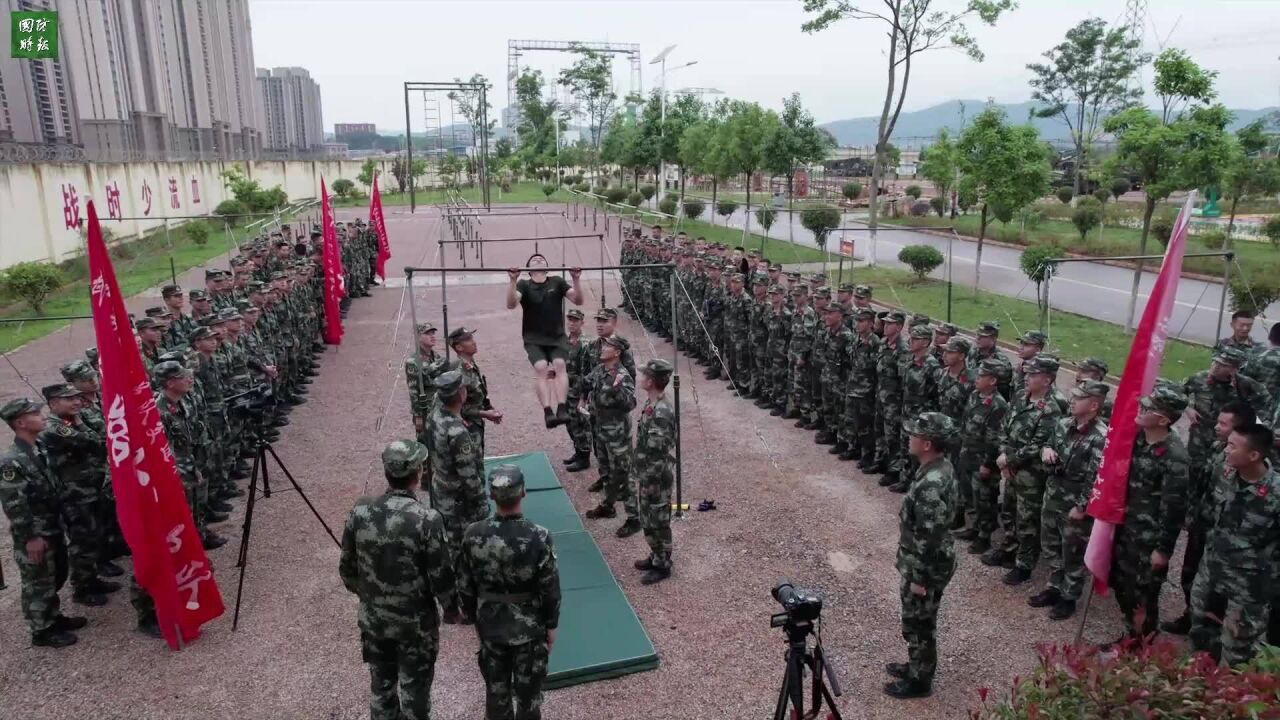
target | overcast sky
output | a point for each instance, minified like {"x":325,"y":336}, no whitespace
{"x":360,"y":51}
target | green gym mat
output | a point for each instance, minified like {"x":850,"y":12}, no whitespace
{"x":600,"y":636}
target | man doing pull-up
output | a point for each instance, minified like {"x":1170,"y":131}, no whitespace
{"x":541,"y":298}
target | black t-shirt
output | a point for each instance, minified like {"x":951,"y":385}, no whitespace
{"x":543,"y":306}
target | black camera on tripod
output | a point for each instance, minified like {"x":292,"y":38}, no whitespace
{"x":254,"y":400}
{"x":801,"y":605}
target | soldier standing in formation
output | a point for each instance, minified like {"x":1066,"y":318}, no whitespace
{"x":609,"y":396}
{"x":420,"y":371}
{"x":579,"y":426}
{"x":457,"y":466}
{"x":654,"y":469}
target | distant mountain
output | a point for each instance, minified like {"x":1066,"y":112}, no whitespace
{"x":915,"y":128}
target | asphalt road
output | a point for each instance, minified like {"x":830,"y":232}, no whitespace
{"x":1086,"y":288}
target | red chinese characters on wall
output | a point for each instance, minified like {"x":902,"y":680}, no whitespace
{"x":146,"y":198}
{"x":195,"y":191}
{"x":175,"y":202}
{"x":113,"y":200}
{"x":70,"y":206}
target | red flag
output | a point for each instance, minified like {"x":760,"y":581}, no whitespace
{"x":1109,"y":499}
{"x":379,"y":224}
{"x":168,"y":557}
{"x":333,"y":286}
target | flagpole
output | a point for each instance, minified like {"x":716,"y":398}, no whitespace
{"x":1084,"y":614}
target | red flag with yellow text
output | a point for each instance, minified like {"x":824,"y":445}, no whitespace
{"x":379,"y":224}
{"x":334,"y":290}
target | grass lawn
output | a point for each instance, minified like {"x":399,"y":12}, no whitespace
{"x":1254,"y":257}
{"x":140,"y":264}
{"x":1072,"y":337}
{"x":777,"y":250}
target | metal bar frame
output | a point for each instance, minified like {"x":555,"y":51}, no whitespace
{"x":482,"y":158}
{"x":524,"y":239}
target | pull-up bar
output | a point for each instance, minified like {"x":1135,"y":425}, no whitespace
{"x":675,"y":331}
{"x":505,"y":214}
{"x":523,"y":239}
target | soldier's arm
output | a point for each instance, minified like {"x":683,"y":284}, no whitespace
{"x":930,"y":527}
{"x":1173,"y":500}
{"x":628,"y":392}
{"x":629,"y":362}
{"x":348,"y":563}
{"x":548,"y":580}
{"x":1090,"y":470}
{"x":1260,"y":399}
{"x":436,"y":561}
{"x":1029,"y":451}
{"x":991,"y":436}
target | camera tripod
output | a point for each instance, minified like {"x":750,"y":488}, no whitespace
{"x":260,"y":471}
{"x":798,"y":657}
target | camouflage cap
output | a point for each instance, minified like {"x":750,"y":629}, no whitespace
{"x":506,"y":484}
{"x":988,"y":328}
{"x":897,"y":317}
{"x":1166,"y":401}
{"x":921,"y":332}
{"x":823,"y":291}
{"x":846,"y":287}
{"x":147,"y":323}
{"x":216,"y":274}
{"x":759,"y":276}
{"x":59,"y":390}
{"x":244,"y":306}
{"x":448,"y":384}
{"x":1094,"y":364}
{"x":957,"y":344}
{"x":793,"y":275}
{"x":402,"y":458}
{"x":800,"y":289}
{"x":616,"y":341}
{"x":820,"y":277}
{"x":1091,"y":388}
{"x":865,"y":313}
{"x":77,"y":370}
{"x":1034,"y":337}
{"x":278,"y":275}
{"x":994,"y":367}
{"x":201,"y":333}
{"x":91,"y":354}
{"x":574,"y":314}
{"x":227,"y":314}
{"x":930,"y":425}
{"x":945,"y":328}
{"x":15,"y":409}
{"x":256,"y":286}
{"x":158,"y":312}
{"x":426,"y":327}
{"x":658,"y":368}
{"x":738,"y":277}
{"x":198,"y":295}
{"x":165,"y":371}
{"x":1231,"y":356}
{"x":921,"y":320}
{"x":175,"y":355}
{"x":239,"y":261}
{"x":836,"y":307}
{"x":775,"y":289}
{"x":1041,"y":365}
{"x":458,"y":335}
{"x":606,"y":313}
{"x":862,"y":291}
{"x":171,"y":291}
{"x":775,"y":266}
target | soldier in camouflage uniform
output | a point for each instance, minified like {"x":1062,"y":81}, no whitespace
{"x":1156,"y":509}
{"x":776,"y":362}
{"x":420,"y":371}
{"x":187,"y":438}
{"x":1241,"y":336}
{"x":942,"y":334}
{"x":396,"y":560}
{"x":980,"y":432}
{"x":610,"y":396}
{"x":30,"y":495}
{"x":736,"y":330}
{"x":804,"y":327}
{"x":889,"y":398}
{"x":1094,"y":369}
{"x":919,"y":376}
{"x":457,"y":462}
{"x":759,"y":310}
{"x":713,"y":312}
{"x":150,"y":333}
{"x":1028,"y":428}
{"x":926,"y":553}
{"x":1030,"y":345}
{"x":509,"y":583}
{"x":834,"y":366}
{"x":818,"y":358}
{"x":985,"y":347}
{"x":1072,"y":457}
{"x":1237,"y":579}
{"x":76,"y":457}
{"x":955,"y":385}
{"x":654,"y":469}
{"x":588,"y":360}
{"x":84,"y":378}
{"x":181,"y":325}
{"x":477,"y":410}
{"x":1265,"y":365}
{"x":579,"y":426}
{"x":857,"y":426}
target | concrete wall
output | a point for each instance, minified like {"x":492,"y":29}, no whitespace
{"x":41,"y":205}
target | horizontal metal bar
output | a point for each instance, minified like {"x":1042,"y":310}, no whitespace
{"x":652,"y":266}
{"x":505,"y":214}
{"x":46,"y":318}
{"x":521,"y":239}
{"x":1225,"y":254}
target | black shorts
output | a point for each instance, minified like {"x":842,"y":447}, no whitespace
{"x":549,"y":353}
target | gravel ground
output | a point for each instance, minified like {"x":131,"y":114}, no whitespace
{"x":787,"y":509}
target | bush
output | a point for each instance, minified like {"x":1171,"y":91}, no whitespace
{"x":693,"y":208}
{"x":1120,"y":186}
{"x":725,"y":208}
{"x":616,"y":195}
{"x":1256,"y":291}
{"x":939,"y":205}
{"x":548,"y":189}
{"x":914,"y":191}
{"x":1213,"y":238}
{"x":766,"y":215}
{"x":1035,"y":263}
{"x":1102,"y":194}
{"x":1064,"y":194}
{"x":820,"y":220}
{"x":1162,"y":228}
{"x":648,"y":191}
{"x":1155,"y":681}
{"x":920,"y":208}
{"x":1086,"y":216}
{"x":671,"y":195}
{"x":342,"y":187}
{"x":667,"y":206}
{"x":635,"y":198}
{"x":600,"y":189}
{"x":232,"y":207}
{"x":582,"y":187}
{"x":197,"y":231}
{"x":922,"y":259}
{"x":1272,"y":230}
{"x":851,"y":190}
{"x":31,"y":282}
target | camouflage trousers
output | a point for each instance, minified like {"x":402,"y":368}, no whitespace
{"x":219,"y":461}
{"x":513,"y":677}
{"x":41,"y":583}
{"x":1196,"y":537}
{"x":1229,"y":626}
{"x":778,"y":386}
{"x":84,"y":538}
{"x":579,"y":428}
{"x":400,"y":676}
{"x":832,"y":408}
{"x":1024,"y":496}
{"x":984,"y":493}
{"x":814,"y":378}
{"x":857,"y":424}
{"x":1136,"y":584}
{"x":762,"y":379}
{"x":457,"y":511}
{"x":801,"y":389}
{"x":655,"y":515}
{"x":1063,"y":541}
{"x":612,"y":440}
{"x":889,"y":413}
{"x":920,"y":630}
{"x":740,"y":370}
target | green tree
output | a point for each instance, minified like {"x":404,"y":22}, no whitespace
{"x":33,"y":282}
{"x":1271,"y":229}
{"x":1085,"y":79}
{"x":742,"y":136}
{"x":766,"y":216}
{"x":197,"y":231}
{"x":367,"y":171}
{"x":912,"y":27}
{"x":538,"y":122}
{"x":548,"y":190}
{"x":342,"y":187}
{"x":1065,"y":194}
{"x":820,"y":220}
{"x":914,"y":191}
{"x":1120,"y":186}
{"x":941,"y":165}
{"x":1004,"y":167}
{"x":1086,"y":216}
{"x":1179,"y":82}
{"x":922,"y":259}
{"x":693,"y":208}
{"x":479,"y":119}
{"x":701,"y":154}
{"x":851,"y":190}
{"x":590,"y":80}
{"x":1249,"y":171}
{"x":795,"y":142}
{"x":725,"y":208}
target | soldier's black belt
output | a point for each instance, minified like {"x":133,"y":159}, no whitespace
{"x":506,"y":597}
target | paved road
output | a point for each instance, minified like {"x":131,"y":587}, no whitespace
{"x":1086,"y":288}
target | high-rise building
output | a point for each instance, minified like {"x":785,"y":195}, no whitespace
{"x":141,"y":79}
{"x":289,"y":109}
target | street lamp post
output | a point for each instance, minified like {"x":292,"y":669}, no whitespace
{"x":661,"y":59}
